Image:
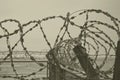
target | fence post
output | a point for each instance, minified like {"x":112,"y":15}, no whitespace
{"x":52,"y":72}
{"x":85,"y":63}
{"x":116,"y":74}
{"x":55,"y":71}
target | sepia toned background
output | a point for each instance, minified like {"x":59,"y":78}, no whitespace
{"x":30,"y":10}
{"x":26,"y":10}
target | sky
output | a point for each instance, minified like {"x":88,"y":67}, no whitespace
{"x":26,"y":10}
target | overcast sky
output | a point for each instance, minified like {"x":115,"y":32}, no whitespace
{"x":26,"y":10}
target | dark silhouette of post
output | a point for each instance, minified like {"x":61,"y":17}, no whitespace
{"x":85,"y":63}
{"x":116,"y":74}
{"x":55,"y":71}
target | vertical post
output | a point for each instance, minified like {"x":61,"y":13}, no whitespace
{"x":51,"y":62}
{"x":55,"y":71}
{"x":60,"y":75}
{"x":52,"y":72}
{"x":85,"y":63}
{"x":116,"y":74}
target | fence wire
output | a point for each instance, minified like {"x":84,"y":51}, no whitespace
{"x":95,"y":40}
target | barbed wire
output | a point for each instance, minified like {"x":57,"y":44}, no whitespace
{"x":63,"y":53}
{"x":65,"y":48}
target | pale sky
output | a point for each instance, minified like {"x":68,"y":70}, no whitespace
{"x":26,"y":10}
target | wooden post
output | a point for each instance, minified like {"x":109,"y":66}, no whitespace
{"x":85,"y":63}
{"x":60,"y":74}
{"x":55,"y":71}
{"x":116,"y":74}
